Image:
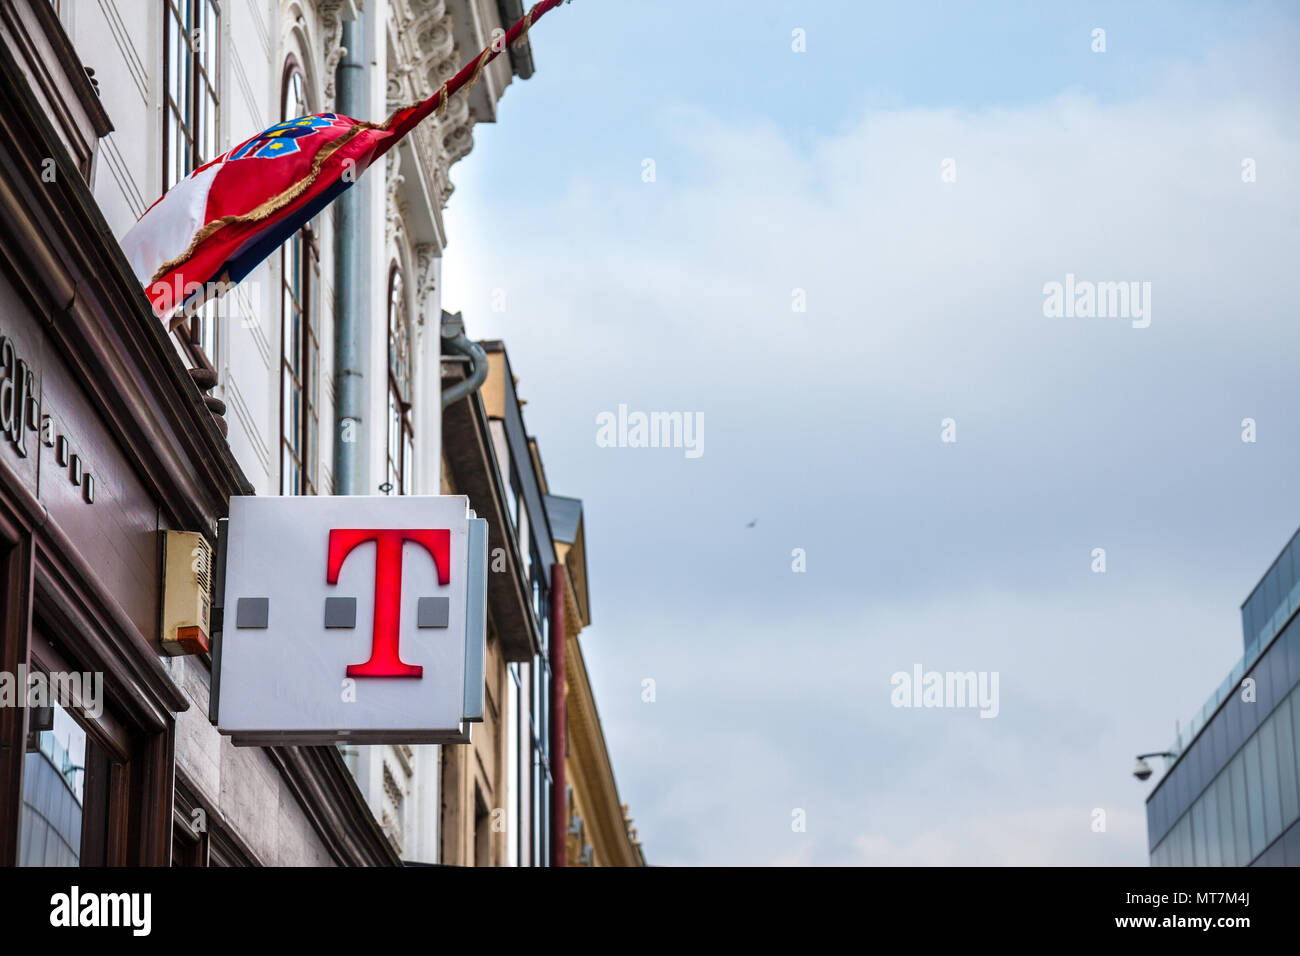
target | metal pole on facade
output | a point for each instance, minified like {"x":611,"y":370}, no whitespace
{"x":559,"y":803}
{"x":349,"y":287}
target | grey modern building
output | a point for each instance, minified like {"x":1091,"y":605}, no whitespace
{"x":1232,"y":796}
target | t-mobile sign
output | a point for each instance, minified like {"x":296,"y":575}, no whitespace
{"x":350,"y":618}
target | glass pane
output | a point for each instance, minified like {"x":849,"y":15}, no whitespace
{"x":180,"y":155}
{"x":408,"y":456}
{"x":1198,"y":834}
{"x":175,"y":60}
{"x":1286,"y":763}
{"x":1157,"y":816}
{"x":309,"y":461}
{"x":210,"y":49}
{"x":1295,"y":732}
{"x":1250,"y":620}
{"x":1291,"y":642}
{"x":1271,"y":591}
{"x":295,"y":272}
{"x":1254,"y":797}
{"x":1285,"y":578}
{"x":208,"y":146}
{"x":1272,"y":793}
{"x":1240,"y":811}
{"x":1223,"y":798}
{"x":208,"y":330}
{"x":1218,"y":741}
{"x":54,"y":791}
{"x":1250,"y":710}
{"x":1277,"y":667}
{"x":1193,"y":762}
{"x":1213,"y":845}
{"x":1264,"y":700}
{"x":1232,"y":717}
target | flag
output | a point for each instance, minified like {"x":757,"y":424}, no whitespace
{"x":216,"y":225}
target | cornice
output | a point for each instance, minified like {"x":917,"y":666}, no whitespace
{"x":590,"y":752}
{"x":330,"y":800}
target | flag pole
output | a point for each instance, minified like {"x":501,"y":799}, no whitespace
{"x":404,"y":119}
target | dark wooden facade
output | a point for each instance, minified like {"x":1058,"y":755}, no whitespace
{"x":107,"y":441}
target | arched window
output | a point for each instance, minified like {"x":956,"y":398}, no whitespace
{"x":299,"y":345}
{"x":400,"y":436}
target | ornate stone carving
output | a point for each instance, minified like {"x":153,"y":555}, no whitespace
{"x":426,"y":262}
{"x":394,"y":208}
{"x":332,"y":25}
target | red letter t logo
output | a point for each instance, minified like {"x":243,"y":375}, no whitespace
{"x":385,"y":658}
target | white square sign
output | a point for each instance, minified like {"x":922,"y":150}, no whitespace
{"x":351,"y":618}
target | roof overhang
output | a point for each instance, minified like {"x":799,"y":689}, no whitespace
{"x":467,"y":452}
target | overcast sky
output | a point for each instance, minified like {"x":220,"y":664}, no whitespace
{"x":822,"y":171}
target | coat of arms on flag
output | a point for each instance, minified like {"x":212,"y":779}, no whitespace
{"x":215,"y":226}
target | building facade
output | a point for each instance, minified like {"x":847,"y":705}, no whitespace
{"x":1232,"y":795}
{"x":104,"y":757}
{"x":597,"y":828}
{"x":322,"y":373}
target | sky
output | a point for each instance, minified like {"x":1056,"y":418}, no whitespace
{"x":839,"y":261}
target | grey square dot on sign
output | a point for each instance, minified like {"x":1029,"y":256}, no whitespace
{"x":252,"y":612}
{"x":340,"y":612}
{"x":432,"y":612}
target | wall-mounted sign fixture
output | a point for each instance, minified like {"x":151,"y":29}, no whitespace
{"x":350,"y":619}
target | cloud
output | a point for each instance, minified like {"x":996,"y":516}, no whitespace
{"x":924,"y":302}
{"x":1055,"y":836}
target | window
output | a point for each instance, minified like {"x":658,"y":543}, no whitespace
{"x":190,"y":46}
{"x":1286,"y":763}
{"x":54,"y":794}
{"x":1223,"y":802}
{"x":1240,"y":811}
{"x":191,"y":111}
{"x":299,"y":346}
{"x":1213,"y":843}
{"x":1254,"y":797}
{"x":535,"y":774}
{"x":1183,"y":836}
{"x":1199,"y":854}
{"x":1270,"y":784}
{"x":400,"y":442}
{"x":524,"y":763}
{"x":512,"y":765}
{"x":75,"y":799}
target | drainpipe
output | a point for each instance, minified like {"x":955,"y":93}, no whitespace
{"x":455,"y":340}
{"x":350,"y":324}
{"x":559,"y":803}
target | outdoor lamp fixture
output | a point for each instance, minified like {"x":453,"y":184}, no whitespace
{"x":1142,"y":770}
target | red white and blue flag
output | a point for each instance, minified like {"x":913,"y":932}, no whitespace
{"x":215,"y":226}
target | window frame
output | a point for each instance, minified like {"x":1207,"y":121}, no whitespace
{"x":300,"y":254}
{"x":199,"y":335}
{"x":398,"y":468}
